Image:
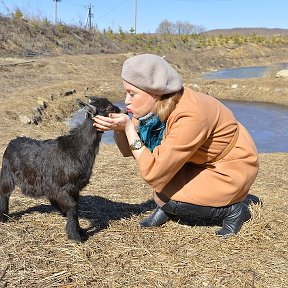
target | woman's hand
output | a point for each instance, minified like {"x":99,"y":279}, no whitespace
{"x":115,"y":121}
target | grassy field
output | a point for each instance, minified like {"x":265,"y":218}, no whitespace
{"x":34,"y":250}
{"x":36,"y":253}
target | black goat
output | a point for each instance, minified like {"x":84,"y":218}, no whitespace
{"x":56,"y":168}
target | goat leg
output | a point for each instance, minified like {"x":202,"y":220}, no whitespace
{"x":4,"y":203}
{"x":69,"y":208}
{"x":72,"y":226}
{"x":6,"y":186}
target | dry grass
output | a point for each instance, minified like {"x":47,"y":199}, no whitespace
{"x":35,"y":252}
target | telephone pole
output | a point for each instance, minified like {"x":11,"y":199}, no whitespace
{"x":55,"y":10}
{"x":89,"y":17}
{"x":135,"y":15}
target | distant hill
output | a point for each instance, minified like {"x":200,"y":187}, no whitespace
{"x":28,"y":38}
{"x":247,"y":32}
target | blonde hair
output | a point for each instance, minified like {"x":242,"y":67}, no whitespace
{"x":166,"y":104}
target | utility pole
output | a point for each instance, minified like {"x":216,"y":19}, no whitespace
{"x":135,"y":15}
{"x":89,"y":17}
{"x":55,"y":10}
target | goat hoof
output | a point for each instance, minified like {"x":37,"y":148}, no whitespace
{"x":75,"y":237}
{"x":3,"y":218}
{"x":82,"y":232}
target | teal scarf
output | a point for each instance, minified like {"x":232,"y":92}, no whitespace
{"x":151,"y":130}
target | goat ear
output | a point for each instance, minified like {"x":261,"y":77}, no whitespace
{"x":90,"y":109}
{"x":91,"y":98}
{"x":80,"y":103}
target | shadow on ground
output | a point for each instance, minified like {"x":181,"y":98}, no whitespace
{"x":97,"y":210}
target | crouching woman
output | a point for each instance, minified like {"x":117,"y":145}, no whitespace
{"x":189,"y":148}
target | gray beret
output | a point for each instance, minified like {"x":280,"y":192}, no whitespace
{"x":151,"y":73}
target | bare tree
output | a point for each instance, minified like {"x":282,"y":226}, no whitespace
{"x":180,"y":28}
{"x":184,"y":28}
{"x":199,"y":29}
{"x":165,"y":27}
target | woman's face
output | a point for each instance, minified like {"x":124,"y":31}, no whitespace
{"x":138,"y":101}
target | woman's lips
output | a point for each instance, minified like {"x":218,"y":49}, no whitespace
{"x":128,"y":110}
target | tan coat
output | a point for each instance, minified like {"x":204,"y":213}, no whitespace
{"x":197,"y":131}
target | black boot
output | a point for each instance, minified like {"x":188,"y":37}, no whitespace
{"x":156,"y":219}
{"x":233,"y":216}
{"x":252,"y":199}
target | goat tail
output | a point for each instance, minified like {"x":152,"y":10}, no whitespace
{"x":7,"y":185}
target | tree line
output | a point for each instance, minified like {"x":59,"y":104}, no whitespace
{"x":179,"y":28}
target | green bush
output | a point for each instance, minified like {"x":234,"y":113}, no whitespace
{"x":17,"y":14}
{"x":46,"y":22}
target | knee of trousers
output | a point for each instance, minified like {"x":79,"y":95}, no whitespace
{"x":187,"y":209}
{"x":170,"y":207}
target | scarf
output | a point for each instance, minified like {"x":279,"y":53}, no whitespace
{"x":151,"y":130}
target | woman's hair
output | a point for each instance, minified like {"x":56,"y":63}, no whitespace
{"x":166,"y":104}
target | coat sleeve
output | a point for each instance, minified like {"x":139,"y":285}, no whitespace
{"x":183,"y":137}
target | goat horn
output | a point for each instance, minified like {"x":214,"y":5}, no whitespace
{"x":80,"y":103}
{"x":87,"y":107}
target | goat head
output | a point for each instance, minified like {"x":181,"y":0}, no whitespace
{"x":98,"y":106}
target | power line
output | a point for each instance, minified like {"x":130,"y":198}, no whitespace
{"x":112,"y":10}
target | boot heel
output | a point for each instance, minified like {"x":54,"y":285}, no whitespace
{"x":156,"y":219}
{"x":233,"y":221}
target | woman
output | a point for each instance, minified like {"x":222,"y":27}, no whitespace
{"x":188,"y":146}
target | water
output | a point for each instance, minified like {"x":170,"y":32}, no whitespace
{"x":244,"y":72}
{"x":267,"y":124}
{"x":79,"y":116}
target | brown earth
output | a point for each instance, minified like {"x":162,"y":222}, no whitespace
{"x":34,"y":251}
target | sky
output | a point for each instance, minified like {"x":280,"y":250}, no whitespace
{"x":115,"y":14}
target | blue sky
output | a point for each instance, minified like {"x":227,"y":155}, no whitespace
{"x":211,"y":14}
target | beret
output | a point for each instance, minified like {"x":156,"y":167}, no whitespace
{"x":151,"y":73}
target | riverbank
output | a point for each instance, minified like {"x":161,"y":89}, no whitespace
{"x":34,"y":250}
{"x":29,"y":81}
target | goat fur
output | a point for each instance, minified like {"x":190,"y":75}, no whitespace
{"x":56,"y":168}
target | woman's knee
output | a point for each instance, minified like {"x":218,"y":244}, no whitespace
{"x":160,"y":199}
